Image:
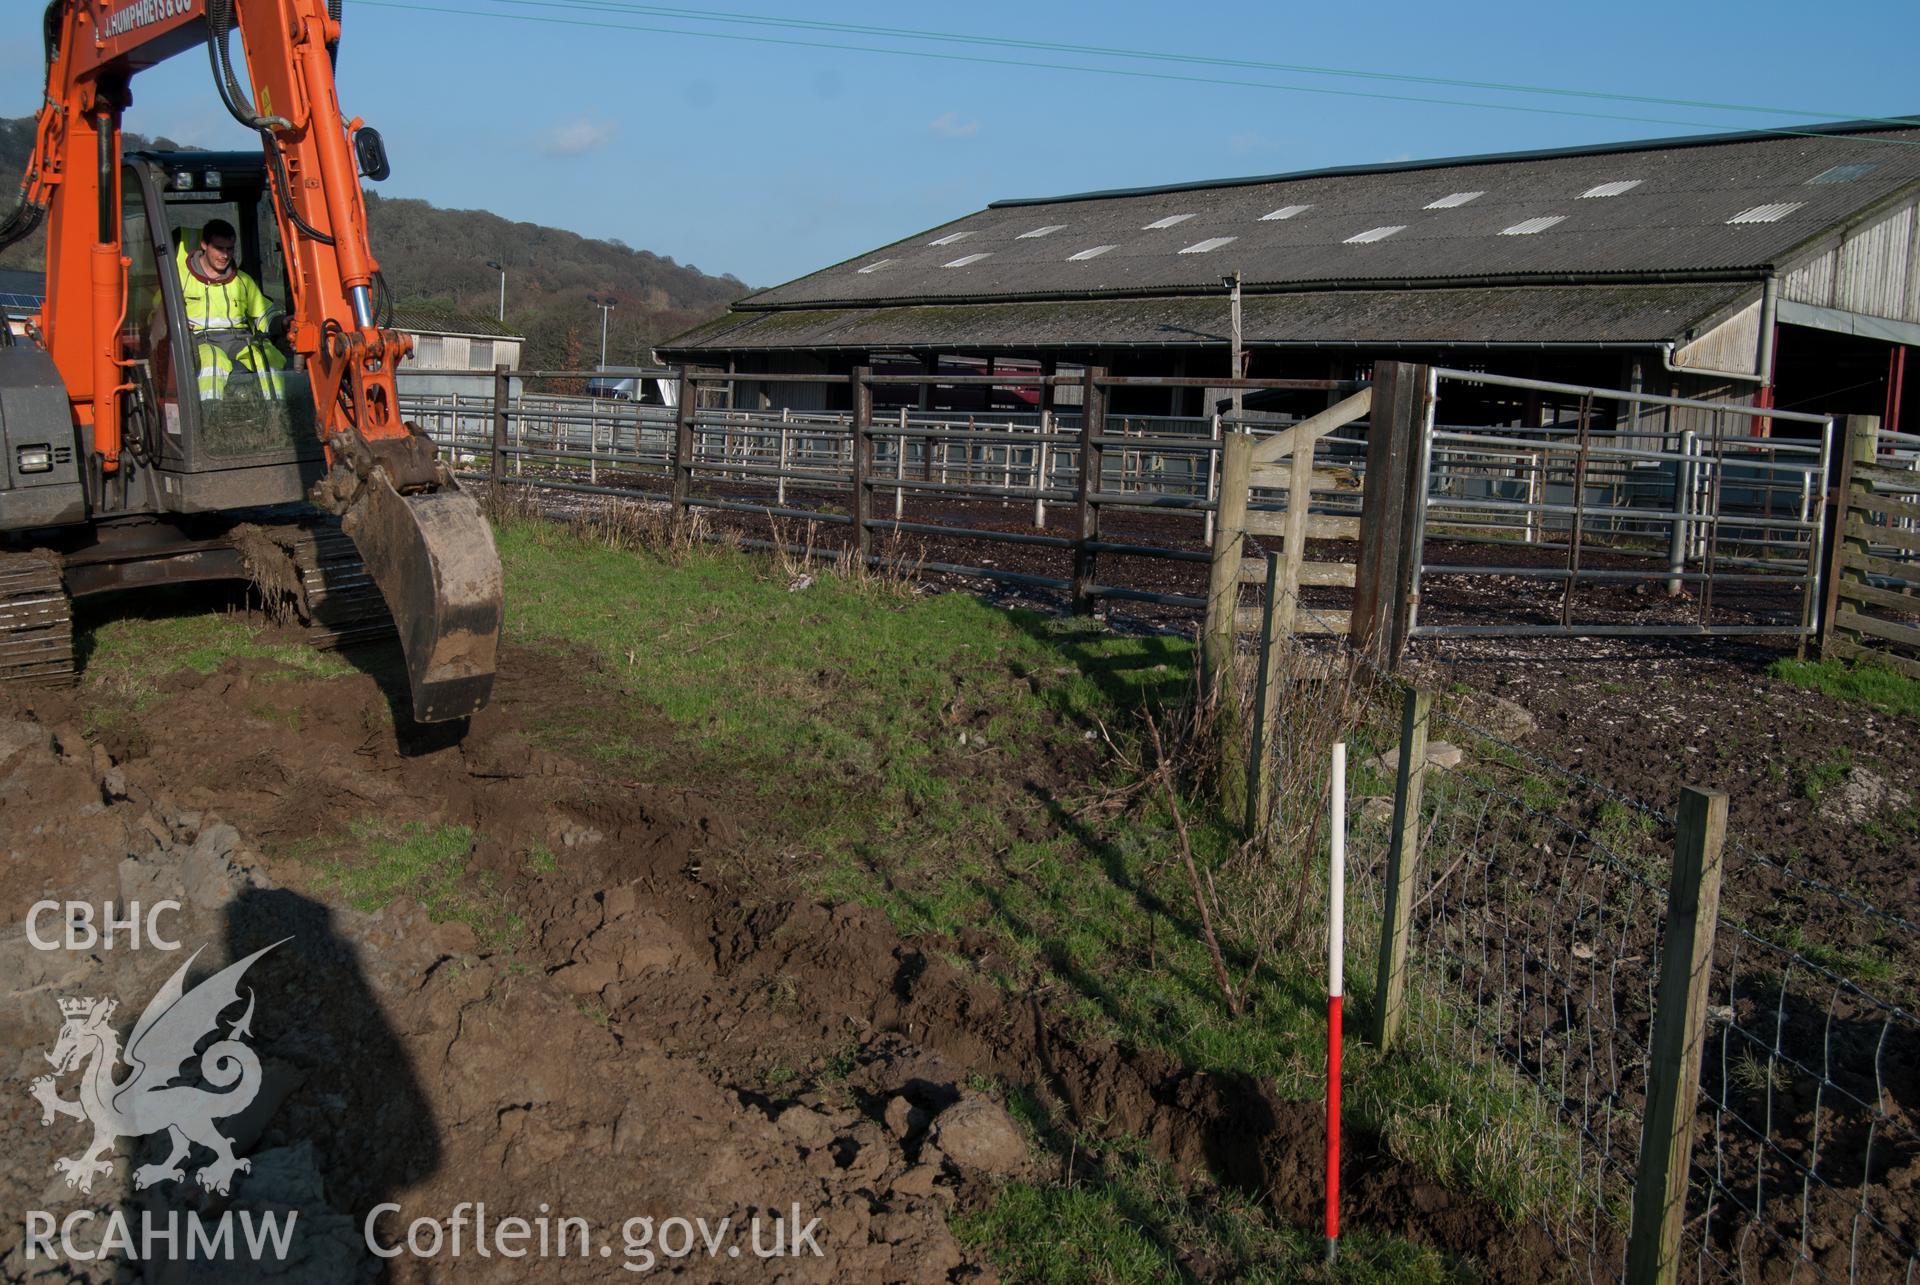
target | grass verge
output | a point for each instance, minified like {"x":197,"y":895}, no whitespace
{"x":1863,"y":683}
{"x":946,"y":761}
{"x":930,"y":756}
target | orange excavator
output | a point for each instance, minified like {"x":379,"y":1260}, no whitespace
{"x":125,"y":464}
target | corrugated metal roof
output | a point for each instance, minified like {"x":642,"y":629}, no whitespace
{"x":1670,"y":215}
{"x":433,"y":319}
{"x":1503,"y":315}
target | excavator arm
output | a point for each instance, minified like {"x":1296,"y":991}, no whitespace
{"x":425,"y":542}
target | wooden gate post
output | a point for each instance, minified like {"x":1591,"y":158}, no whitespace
{"x":1387,"y":506}
{"x":1859,"y":445}
{"x":499,"y":465}
{"x":1217,"y":663}
{"x":862,"y":393}
{"x":1093,"y":424}
{"x":1679,"y":1036}
{"x":681,"y":465}
{"x":1403,"y":861}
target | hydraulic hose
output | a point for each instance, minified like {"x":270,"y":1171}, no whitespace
{"x":220,"y":23}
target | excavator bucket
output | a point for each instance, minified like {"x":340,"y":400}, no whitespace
{"x":432,"y":555}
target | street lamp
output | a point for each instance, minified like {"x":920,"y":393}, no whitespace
{"x":503,"y":286}
{"x":605,"y":306}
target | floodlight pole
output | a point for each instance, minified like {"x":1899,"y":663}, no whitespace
{"x":605,"y":306}
{"x":503,"y":287}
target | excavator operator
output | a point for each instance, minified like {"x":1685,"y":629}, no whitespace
{"x":227,"y":316}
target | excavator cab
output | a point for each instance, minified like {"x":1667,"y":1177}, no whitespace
{"x":158,"y":425}
{"x":220,"y":407}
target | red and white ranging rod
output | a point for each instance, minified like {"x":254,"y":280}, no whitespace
{"x":1336,"y":937}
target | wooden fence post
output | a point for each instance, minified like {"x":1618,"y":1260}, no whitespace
{"x":1217,"y":663}
{"x":1860,"y":445}
{"x":500,"y":386}
{"x":1259,"y":773}
{"x":862,"y":393}
{"x":1679,"y":1035}
{"x":1093,"y":422}
{"x":682,"y":462}
{"x":1403,"y":861}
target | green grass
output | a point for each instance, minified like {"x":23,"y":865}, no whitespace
{"x":1817,"y":778}
{"x":1867,"y":964}
{"x":127,"y":657}
{"x":843,"y":706}
{"x":377,"y":861}
{"x":1864,"y":683}
{"x":832,"y":721}
{"x":1136,"y":1221}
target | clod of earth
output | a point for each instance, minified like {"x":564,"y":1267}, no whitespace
{"x":977,"y":1134}
{"x":1863,"y":796}
{"x":1442,"y":756}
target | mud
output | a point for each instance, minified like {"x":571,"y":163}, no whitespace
{"x":676,"y":1031}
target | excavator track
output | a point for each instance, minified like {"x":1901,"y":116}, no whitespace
{"x":343,"y":604}
{"x":36,"y":622}
{"x":311,"y":575}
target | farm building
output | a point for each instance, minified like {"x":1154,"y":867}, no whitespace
{"x":1781,"y":268}
{"x":446,"y":344}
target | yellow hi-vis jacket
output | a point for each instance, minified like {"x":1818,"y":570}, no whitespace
{"x":228,"y":321}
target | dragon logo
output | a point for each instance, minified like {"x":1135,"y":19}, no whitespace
{"x":161,"y":1044}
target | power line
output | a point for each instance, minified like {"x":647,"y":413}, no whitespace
{"x":1149,"y":55}
{"x":979,"y":59}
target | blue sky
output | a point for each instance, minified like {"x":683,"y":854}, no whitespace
{"x":769,"y":161}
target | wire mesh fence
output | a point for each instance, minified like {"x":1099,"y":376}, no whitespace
{"x":1538,"y":907}
{"x":1532,"y":959}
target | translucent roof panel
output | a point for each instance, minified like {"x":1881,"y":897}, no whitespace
{"x":1094,"y":253}
{"x":876,"y":265}
{"x":1770,"y":213}
{"x":1048,"y":230}
{"x":1375,"y":234}
{"x":1167,"y":222}
{"x":950,"y":238}
{"x":1527,"y":227}
{"x":965,"y":259}
{"x":1284,"y":212}
{"x":1618,"y":187}
{"x":1450,"y":202}
{"x":1211,"y":243}
{"x":1844,"y":173}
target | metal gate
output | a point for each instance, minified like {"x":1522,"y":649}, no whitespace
{"x":1631,"y":515}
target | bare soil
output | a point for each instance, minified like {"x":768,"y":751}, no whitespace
{"x":670,"y":1029}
